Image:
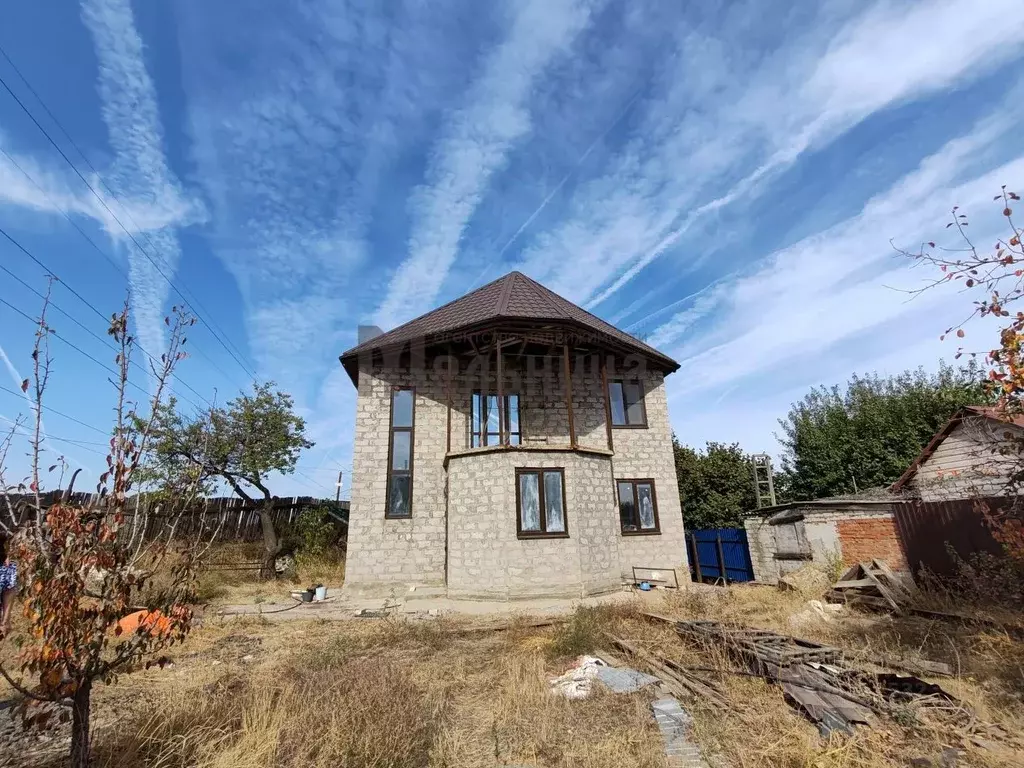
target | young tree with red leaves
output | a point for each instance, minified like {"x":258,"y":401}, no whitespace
{"x":996,"y":276}
{"x":82,"y":567}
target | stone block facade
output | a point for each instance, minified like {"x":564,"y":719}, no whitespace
{"x":462,"y":532}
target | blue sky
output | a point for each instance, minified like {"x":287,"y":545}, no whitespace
{"x":722,"y":178}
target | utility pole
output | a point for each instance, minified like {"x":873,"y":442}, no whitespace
{"x":337,"y":495}
{"x":764,"y":486}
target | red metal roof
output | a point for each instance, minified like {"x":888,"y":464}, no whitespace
{"x":512,"y":297}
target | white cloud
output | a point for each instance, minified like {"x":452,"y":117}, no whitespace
{"x":715,"y":133}
{"x":829,"y":304}
{"x":475,"y":145}
{"x":151,"y":200}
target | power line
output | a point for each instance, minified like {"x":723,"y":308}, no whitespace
{"x":102,"y":202}
{"x":99,"y":250}
{"x":54,"y":411}
{"x":81,"y":325}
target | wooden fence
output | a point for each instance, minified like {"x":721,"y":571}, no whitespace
{"x":937,"y":535}
{"x":234,"y":519}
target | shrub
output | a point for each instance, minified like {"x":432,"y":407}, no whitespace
{"x":316,"y":531}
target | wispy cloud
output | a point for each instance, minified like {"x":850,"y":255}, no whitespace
{"x":476,"y":143}
{"x":782,"y":319}
{"x":685,"y":165}
{"x":151,"y":199}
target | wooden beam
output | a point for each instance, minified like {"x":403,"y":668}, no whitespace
{"x":567,"y":372}
{"x":607,"y":401}
{"x":502,"y":432}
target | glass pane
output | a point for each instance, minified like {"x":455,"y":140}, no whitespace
{"x":493,"y":439}
{"x":627,"y":515}
{"x":513,"y":439}
{"x":476,"y":419}
{"x":513,"y":412}
{"x":400,"y":450}
{"x":646,"y":497}
{"x":492,"y":414}
{"x":618,"y":409}
{"x":529,"y":502}
{"x":553,"y":502}
{"x":398,"y":503}
{"x":634,"y":408}
{"x":401,"y":408}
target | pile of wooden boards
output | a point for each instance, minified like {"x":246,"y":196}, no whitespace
{"x":871,"y":584}
{"x":805,"y":670}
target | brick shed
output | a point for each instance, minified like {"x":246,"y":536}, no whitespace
{"x":788,"y":536}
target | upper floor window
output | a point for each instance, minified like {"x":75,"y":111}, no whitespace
{"x":491,"y":425}
{"x":626,"y":398}
{"x":638,"y":507}
{"x":400,"y":445}
{"x":540,"y":503}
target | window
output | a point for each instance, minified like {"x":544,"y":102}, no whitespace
{"x":638,"y":506}
{"x":540,"y":503}
{"x":399,"y":493}
{"x":485,"y":423}
{"x":627,"y":403}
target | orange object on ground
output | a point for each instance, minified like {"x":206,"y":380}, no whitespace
{"x":150,"y":620}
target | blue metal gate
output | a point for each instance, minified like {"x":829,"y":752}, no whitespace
{"x":719,"y":554}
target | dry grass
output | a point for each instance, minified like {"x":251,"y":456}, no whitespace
{"x":424,"y":694}
{"x":226,"y":581}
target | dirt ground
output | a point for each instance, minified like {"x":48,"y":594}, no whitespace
{"x":427,"y":692}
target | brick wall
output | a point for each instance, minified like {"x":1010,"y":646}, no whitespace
{"x":863,"y":540}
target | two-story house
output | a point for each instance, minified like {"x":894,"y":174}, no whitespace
{"x":510,"y":444}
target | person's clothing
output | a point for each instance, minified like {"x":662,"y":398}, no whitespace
{"x":8,"y":576}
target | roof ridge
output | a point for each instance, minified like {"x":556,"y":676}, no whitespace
{"x":545,"y":294}
{"x":506,"y":292}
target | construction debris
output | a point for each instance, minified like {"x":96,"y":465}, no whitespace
{"x":871,"y":584}
{"x":677,"y":679}
{"x":578,"y":681}
{"x":674,"y":723}
{"x":814,"y":677}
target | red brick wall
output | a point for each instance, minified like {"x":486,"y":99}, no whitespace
{"x":862,"y":540}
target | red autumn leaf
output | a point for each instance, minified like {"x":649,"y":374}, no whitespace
{"x":960,"y":333}
{"x":24,"y":386}
{"x":1007,"y":212}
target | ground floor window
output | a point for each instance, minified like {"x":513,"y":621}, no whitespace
{"x":540,"y":503}
{"x":638,"y":506}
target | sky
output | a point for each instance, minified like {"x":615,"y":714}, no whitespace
{"x":724,"y":179}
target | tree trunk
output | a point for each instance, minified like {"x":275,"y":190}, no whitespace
{"x":271,"y":543}
{"x":80,"y":726}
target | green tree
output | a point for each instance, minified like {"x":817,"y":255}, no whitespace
{"x":254,"y":436}
{"x":843,"y":441}
{"x":716,"y":486}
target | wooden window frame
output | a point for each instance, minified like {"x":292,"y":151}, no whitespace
{"x":504,"y":419}
{"x":543,"y":533}
{"x":622,"y":380}
{"x":392,"y":472}
{"x":636,"y":482}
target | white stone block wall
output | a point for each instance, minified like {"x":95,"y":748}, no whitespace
{"x":486,"y":556}
{"x":641,"y":453}
{"x":385,"y":555}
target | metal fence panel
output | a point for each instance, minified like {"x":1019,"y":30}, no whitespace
{"x":936,"y":535}
{"x":719,"y":554}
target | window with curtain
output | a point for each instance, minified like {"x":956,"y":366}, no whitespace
{"x":638,"y":506}
{"x":400,"y":450}
{"x":486,"y":427}
{"x":626,"y":399}
{"x":540,"y":503}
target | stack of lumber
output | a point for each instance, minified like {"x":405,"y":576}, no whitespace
{"x":871,"y":584}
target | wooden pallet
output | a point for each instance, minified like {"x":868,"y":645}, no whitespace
{"x":873,"y":584}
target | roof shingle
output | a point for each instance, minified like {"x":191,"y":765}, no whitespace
{"x":514,"y":296}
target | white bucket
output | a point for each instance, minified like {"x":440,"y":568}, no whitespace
{"x":321,"y":593}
